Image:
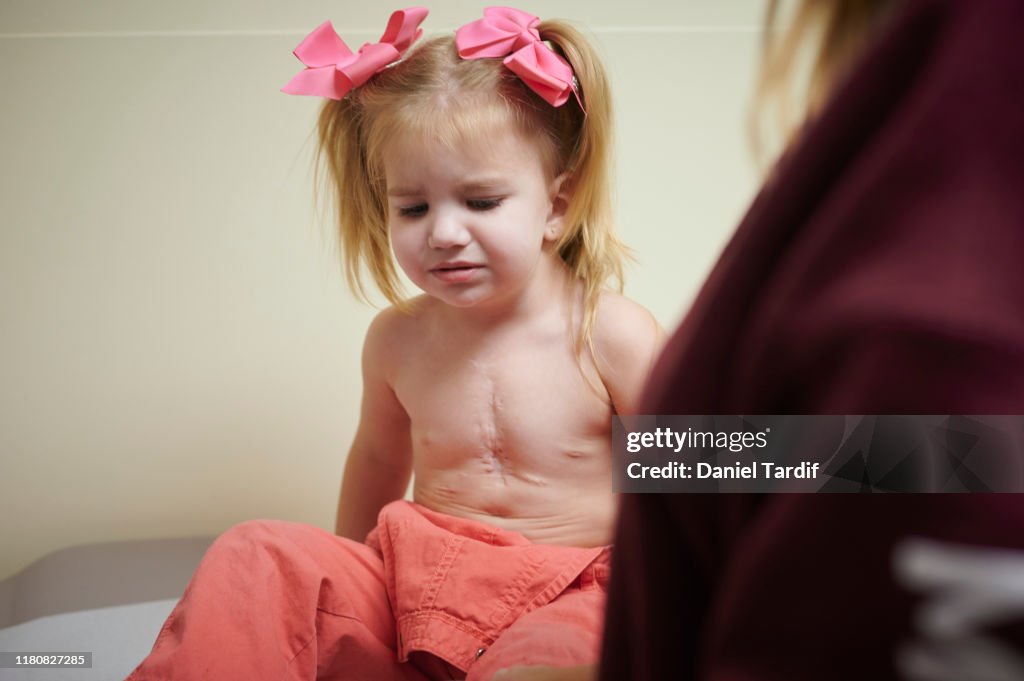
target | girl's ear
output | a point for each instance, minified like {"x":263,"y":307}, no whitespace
{"x":559,"y":193}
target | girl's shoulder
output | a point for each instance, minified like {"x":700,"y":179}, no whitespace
{"x":395,"y":325}
{"x":622,"y":324}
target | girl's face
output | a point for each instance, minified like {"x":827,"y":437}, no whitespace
{"x":475,"y":225}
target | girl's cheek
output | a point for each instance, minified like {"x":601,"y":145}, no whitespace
{"x":406,"y":252}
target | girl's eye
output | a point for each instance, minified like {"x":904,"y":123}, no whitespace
{"x":483,"y":204}
{"x":419,"y":210}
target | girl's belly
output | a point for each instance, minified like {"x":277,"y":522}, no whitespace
{"x":564,"y":511}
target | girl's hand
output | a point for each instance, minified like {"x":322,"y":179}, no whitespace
{"x":544,"y":673}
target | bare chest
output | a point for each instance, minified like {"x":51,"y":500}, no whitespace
{"x":526,"y":406}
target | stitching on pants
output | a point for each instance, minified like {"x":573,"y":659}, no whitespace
{"x":451,"y":551}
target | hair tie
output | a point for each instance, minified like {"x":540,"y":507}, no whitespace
{"x":332,"y":69}
{"x":507,"y":31}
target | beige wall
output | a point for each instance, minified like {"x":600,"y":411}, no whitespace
{"x":178,"y":351}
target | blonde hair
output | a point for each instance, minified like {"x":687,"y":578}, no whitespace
{"x":830,"y":35}
{"x":433,"y":91}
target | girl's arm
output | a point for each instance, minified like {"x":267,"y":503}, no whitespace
{"x":380,"y":461}
{"x":627,"y":341}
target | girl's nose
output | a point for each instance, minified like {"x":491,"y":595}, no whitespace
{"x":446,"y":231}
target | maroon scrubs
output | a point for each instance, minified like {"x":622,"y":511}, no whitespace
{"x":880,"y":270}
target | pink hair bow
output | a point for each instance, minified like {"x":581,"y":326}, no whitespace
{"x":508,"y":31}
{"x":332,"y":69}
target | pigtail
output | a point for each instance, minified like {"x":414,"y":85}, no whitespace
{"x":589,"y":245}
{"x":360,"y":204}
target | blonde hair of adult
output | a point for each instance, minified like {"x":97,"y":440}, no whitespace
{"x":802,"y":62}
{"x":434,"y":92}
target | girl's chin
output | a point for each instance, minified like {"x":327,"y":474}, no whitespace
{"x":462,"y":302}
{"x":464,"y":299}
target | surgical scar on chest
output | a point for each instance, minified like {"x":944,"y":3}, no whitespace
{"x":493,"y":454}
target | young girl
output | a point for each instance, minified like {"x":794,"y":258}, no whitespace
{"x":480,"y":161}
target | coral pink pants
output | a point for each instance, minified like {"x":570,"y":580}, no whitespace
{"x":276,"y":600}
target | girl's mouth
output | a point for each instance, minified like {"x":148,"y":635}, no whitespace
{"x":456,"y":272}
